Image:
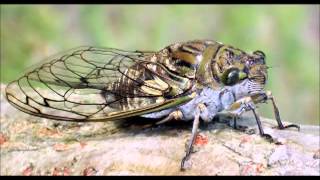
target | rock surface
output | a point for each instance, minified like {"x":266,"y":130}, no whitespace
{"x":37,"y":146}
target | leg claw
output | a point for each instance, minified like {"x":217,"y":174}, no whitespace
{"x":182,"y":167}
{"x":268,"y":137}
{"x":290,"y":126}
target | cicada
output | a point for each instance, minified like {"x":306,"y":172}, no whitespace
{"x":184,"y":81}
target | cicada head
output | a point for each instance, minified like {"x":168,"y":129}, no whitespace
{"x":232,"y":65}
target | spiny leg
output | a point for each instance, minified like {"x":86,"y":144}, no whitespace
{"x":246,"y":104}
{"x":267,"y":136}
{"x":192,"y":139}
{"x":235,"y":110}
{"x":268,"y":96}
{"x":277,"y":116}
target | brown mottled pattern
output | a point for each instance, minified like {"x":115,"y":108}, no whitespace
{"x":128,"y":80}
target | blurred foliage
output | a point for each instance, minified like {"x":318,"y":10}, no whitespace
{"x":288,"y":34}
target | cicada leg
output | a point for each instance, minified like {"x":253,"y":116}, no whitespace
{"x":175,"y":115}
{"x":234,"y":117}
{"x":267,"y":136}
{"x":241,"y":128}
{"x":246,"y":104}
{"x":268,"y":96}
{"x":193,"y":135}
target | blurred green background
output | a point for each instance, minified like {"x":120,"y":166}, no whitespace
{"x":288,"y":34}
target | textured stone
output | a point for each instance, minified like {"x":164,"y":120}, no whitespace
{"x":37,"y":146}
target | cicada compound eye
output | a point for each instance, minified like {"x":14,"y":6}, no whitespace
{"x":232,"y":76}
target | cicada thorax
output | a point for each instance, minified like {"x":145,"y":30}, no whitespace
{"x":183,"y":58}
{"x":190,"y":64}
{"x":205,"y":63}
{"x":192,"y":60}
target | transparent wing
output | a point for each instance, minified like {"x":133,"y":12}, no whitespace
{"x":87,"y":84}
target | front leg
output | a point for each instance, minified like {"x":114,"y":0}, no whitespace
{"x":246,"y":104}
{"x":263,"y":97}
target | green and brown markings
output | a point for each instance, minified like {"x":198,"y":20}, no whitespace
{"x":105,"y":84}
{"x":101,"y":84}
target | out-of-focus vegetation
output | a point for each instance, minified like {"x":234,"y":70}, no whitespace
{"x":288,"y":34}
